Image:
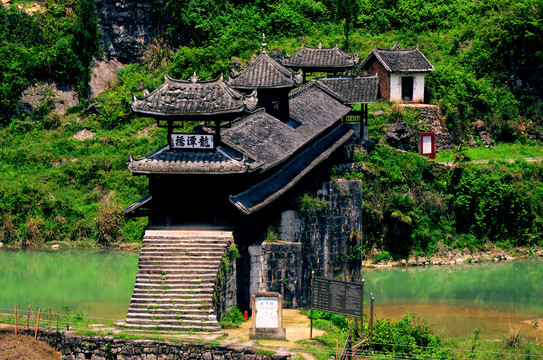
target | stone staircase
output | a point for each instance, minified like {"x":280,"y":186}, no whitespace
{"x":174,"y":286}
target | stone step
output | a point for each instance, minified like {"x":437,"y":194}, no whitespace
{"x":174,"y":252}
{"x":202,"y":308}
{"x":185,"y":285}
{"x":194,"y":239}
{"x":186,"y":270}
{"x":185,"y":243}
{"x":177,"y":293}
{"x":188,"y":300}
{"x":189,"y":233}
{"x":143,"y":283}
{"x":165,"y":255}
{"x":191,"y":329}
{"x":176,"y":277}
{"x":174,"y":321}
{"x":174,"y":309}
{"x":150,"y":280}
{"x":202,"y":241}
{"x":172,"y":315}
{"x":164,"y":265}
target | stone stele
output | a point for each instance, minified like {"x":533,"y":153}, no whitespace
{"x":267,"y":316}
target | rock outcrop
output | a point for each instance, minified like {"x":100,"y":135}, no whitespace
{"x":127,"y":27}
{"x":480,"y":129}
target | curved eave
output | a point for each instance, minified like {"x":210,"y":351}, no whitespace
{"x":163,"y":115}
{"x":139,"y":172}
{"x":263,"y":87}
{"x":320,"y":68}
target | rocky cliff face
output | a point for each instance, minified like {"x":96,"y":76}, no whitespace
{"x":127,"y":26}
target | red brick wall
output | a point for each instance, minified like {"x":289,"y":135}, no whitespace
{"x":375,"y":67}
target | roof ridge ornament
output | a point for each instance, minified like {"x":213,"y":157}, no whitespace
{"x":263,"y":42}
{"x":194,"y":78}
{"x":320,"y":45}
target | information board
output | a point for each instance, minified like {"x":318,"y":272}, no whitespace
{"x":267,"y":312}
{"x":337,"y":297}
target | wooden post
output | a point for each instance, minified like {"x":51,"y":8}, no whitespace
{"x":28,"y":317}
{"x":312,"y":292}
{"x":15,"y":319}
{"x":362,"y":311}
{"x":58,"y":319}
{"x":37,"y":324}
{"x":371,"y":320}
{"x":170,"y":132}
{"x":49,"y":317}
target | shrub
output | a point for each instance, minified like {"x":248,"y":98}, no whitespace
{"x":513,"y":339}
{"x":233,"y":319}
{"x":8,"y":232}
{"x":34,"y":230}
{"x":109,"y":222}
{"x":309,"y":204}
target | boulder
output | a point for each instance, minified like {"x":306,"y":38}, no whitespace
{"x":400,"y":136}
{"x":480,"y":129}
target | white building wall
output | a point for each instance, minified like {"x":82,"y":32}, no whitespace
{"x":396,"y":86}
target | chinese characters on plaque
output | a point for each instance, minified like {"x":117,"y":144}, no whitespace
{"x":192,"y":141}
{"x":267,"y":316}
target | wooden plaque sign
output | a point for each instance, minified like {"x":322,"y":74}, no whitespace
{"x":191,"y":141}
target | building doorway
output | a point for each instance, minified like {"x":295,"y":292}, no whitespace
{"x":407,"y":88}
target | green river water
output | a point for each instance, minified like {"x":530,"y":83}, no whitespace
{"x":457,"y":299}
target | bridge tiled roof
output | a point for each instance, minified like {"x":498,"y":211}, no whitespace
{"x":320,"y":59}
{"x":353,"y":89}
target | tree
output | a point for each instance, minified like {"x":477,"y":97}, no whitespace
{"x":398,"y":218}
{"x":347,"y":10}
{"x":85,"y":43}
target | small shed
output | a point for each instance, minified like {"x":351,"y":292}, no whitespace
{"x":401,"y":72}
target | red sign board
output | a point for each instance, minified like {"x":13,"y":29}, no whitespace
{"x":428,"y":145}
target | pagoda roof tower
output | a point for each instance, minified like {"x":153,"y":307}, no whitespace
{"x":264,"y":73}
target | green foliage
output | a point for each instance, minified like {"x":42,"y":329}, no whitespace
{"x":500,"y":203}
{"x":271,"y":237}
{"x":85,"y":42}
{"x":311,"y":205}
{"x":384,"y":255}
{"x":233,"y":319}
{"x":409,"y":204}
{"x":409,"y":335}
{"x":338,"y":321}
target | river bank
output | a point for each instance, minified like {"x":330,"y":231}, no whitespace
{"x":451,"y":256}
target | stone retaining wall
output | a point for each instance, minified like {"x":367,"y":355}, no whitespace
{"x":74,"y":347}
{"x":323,"y":239}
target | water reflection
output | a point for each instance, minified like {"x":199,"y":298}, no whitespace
{"x":97,"y":283}
{"x":458,"y":299}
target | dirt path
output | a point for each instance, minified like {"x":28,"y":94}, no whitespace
{"x":451,"y":164}
{"x":24,"y":347}
{"x":296,"y":324}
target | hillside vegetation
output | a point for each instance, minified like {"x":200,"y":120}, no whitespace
{"x":488,"y":58}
